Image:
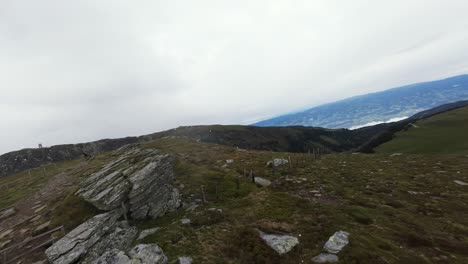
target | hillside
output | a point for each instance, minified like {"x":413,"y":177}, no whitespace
{"x":443,"y":133}
{"x":397,"y":209}
{"x":293,"y":139}
{"x":378,"y":107}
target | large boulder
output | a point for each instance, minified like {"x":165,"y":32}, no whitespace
{"x":91,"y":239}
{"x":139,"y":180}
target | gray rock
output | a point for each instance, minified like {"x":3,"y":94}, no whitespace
{"x":6,"y":233}
{"x":147,"y":254}
{"x":460,"y":183}
{"x":7,"y":213}
{"x":139,"y":179}
{"x":277,"y":162}
{"x":184,"y":260}
{"x":140,"y":254}
{"x":4,"y":244}
{"x":280,"y":243}
{"x":113,"y":256}
{"x":147,"y":232}
{"x":185,"y":221}
{"x":262,"y":182}
{"x":325,"y":258}
{"x":42,"y":228}
{"x":336,"y":242}
{"x":91,"y":239}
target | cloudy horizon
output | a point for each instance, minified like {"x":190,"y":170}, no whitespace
{"x":85,"y":70}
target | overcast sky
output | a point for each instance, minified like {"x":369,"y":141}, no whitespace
{"x":76,"y":71}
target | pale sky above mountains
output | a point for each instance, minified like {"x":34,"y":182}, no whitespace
{"x":77,"y":71}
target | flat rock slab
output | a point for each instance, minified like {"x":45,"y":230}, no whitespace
{"x":280,"y":243}
{"x":147,"y":232}
{"x":460,"y":183}
{"x":6,"y":233}
{"x":336,"y":242}
{"x":184,"y":260}
{"x":140,"y":254}
{"x":7,"y":213}
{"x":37,"y":210}
{"x":262,"y":182}
{"x":42,"y":228}
{"x":325,"y":258}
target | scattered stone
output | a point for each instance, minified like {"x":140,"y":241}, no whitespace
{"x":91,"y":239}
{"x":229,"y":161}
{"x":191,"y":207}
{"x":277,"y":162}
{"x":396,"y":154}
{"x":460,"y":183}
{"x":4,"y":244}
{"x":280,"y":243}
{"x":262,"y":182}
{"x":113,"y":256}
{"x":35,"y":219}
{"x":184,"y":260}
{"x":6,"y":233}
{"x":42,"y":228}
{"x":215,"y":209}
{"x":7,"y":213}
{"x":24,"y":230}
{"x":44,"y":261}
{"x":147,"y":254}
{"x":147,"y":232}
{"x":185,"y":221}
{"x":336,"y":242}
{"x":325,"y":258}
{"x":40,"y":209}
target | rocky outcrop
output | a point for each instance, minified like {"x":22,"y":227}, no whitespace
{"x":140,"y":254}
{"x":139,"y":180}
{"x":280,"y":243}
{"x":91,"y":239}
{"x":24,"y":159}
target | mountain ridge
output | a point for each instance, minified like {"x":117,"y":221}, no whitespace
{"x":398,"y":102}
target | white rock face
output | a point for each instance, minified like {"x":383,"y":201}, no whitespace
{"x":280,"y":243}
{"x":336,"y":242}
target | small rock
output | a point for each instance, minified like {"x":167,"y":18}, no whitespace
{"x":280,"y":243}
{"x":191,"y":207}
{"x":6,"y":233}
{"x":148,"y":254}
{"x":40,"y":209}
{"x":336,"y":242}
{"x":42,"y":228}
{"x":277,"y":162}
{"x":229,"y":161}
{"x":215,"y":209}
{"x":262,"y":182}
{"x":35,"y":219}
{"x":4,"y":244}
{"x":185,"y":221}
{"x":7,"y":213}
{"x":325,"y":258}
{"x":460,"y":183}
{"x":147,"y":232}
{"x":396,"y":154}
{"x":184,"y":260}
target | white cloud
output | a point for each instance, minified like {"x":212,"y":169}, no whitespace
{"x":84,"y":70}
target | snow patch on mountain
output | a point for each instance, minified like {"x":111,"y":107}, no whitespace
{"x":373,"y":123}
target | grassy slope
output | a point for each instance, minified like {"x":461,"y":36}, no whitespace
{"x":366,"y":195}
{"x":442,"y":133}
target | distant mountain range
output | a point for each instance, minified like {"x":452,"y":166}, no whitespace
{"x":386,"y":106}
